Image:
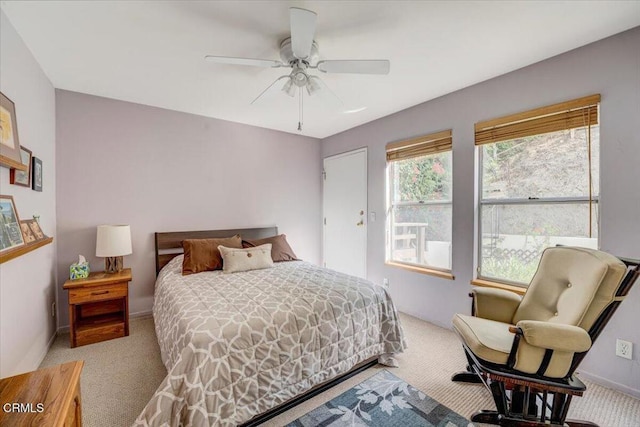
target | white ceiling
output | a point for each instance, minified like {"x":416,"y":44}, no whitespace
{"x":151,"y":52}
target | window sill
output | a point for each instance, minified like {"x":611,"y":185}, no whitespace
{"x":422,"y":270}
{"x":497,"y":285}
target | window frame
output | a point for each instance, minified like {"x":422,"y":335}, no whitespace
{"x":571,"y":200}
{"x":592,"y":200}
{"x":391,"y":204}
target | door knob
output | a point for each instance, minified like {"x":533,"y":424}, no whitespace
{"x":361,"y":222}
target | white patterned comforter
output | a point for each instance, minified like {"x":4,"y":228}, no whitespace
{"x":236,"y":345}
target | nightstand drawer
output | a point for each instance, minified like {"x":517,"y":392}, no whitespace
{"x":98,"y":293}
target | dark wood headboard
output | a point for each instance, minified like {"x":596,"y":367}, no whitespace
{"x":169,"y":244}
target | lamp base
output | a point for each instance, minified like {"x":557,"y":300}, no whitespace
{"x":113,"y":264}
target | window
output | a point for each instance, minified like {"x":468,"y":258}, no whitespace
{"x":539,"y":186}
{"x":419,"y":182}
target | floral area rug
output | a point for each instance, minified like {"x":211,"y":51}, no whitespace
{"x":382,"y":400}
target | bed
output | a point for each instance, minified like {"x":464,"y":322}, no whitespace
{"x":242,"y":347}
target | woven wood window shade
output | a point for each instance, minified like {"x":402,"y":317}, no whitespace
{"x":565,"y":115}
{"x":421,"y":146}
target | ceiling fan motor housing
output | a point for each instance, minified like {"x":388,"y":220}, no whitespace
{"x":287,"y":56}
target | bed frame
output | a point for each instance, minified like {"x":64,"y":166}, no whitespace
{"x":169,"y":245}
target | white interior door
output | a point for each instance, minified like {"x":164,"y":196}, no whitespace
{"x":345,"y":212}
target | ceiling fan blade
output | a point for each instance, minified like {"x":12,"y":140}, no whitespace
{"x":303,"y":29}
{"x":272,"y":88}
{"x":356,"y":66}
{"x":266,"y":63}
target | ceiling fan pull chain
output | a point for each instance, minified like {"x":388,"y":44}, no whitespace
{"x":300,"y":121}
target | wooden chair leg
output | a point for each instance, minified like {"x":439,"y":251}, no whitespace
{"x":523,"y":402}
{"x":466,"y":377}
{"x":580,"y":423}
{"x":499,"y":396}
{"x":558,"y":408}
{"x":486,"y":417}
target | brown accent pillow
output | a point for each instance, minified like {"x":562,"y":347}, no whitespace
{"x":280,"y":249}
{"x":203,"y":254}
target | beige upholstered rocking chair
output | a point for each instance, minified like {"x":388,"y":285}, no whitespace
{"x":526,"y":349}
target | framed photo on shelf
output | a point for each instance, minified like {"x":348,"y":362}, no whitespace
{"x":27,"y":234}
{"x":36,"y":171}
{"x":19,"y":177}
{"x":35,"y":229}
{"x":9,"y":142}
{"x":10,"y":232}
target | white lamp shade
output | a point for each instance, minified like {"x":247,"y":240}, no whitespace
{"x":113,"y":240}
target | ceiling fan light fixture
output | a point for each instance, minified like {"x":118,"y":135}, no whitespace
{"x":289,"y":88}
{"x":299,"y":77}
{"x":313,"y":86}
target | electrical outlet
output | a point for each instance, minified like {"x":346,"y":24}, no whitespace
{"x":624,"y":349}
{"x":385,"y":282}
{"x":53,"y":309}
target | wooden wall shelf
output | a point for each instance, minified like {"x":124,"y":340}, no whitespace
{"x":24,"y":249}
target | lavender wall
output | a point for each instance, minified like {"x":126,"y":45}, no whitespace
{"x":610,"y":67}
{"x":27,"y":283}
{"x":161,"y":170}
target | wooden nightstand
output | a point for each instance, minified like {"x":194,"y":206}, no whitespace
{"x":46,"y":397}
{"x":98,"y":307}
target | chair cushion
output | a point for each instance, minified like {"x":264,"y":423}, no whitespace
{"x":572,"y":286}
{"x":555,"y":336}
{"x":491,"y":341}
{"x":495,"y":304}
{"x":487,"y":339}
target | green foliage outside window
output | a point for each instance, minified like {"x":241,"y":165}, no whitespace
{"x":423,"y":178}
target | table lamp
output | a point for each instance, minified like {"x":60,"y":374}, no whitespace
{"x":112,"y":243}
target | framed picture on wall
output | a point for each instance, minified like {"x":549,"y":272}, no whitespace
{"x":9,"y":142}
{"x":19,"y":177}
{"x":36,"y":172}
{"x":10,"y":232}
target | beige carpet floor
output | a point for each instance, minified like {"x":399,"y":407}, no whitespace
{"x":121,"y":375}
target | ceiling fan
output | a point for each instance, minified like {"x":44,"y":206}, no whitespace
{"x":300,"y":53}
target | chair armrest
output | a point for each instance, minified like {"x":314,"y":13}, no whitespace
{"x":555,"y":336}
{"x":495,"y":304}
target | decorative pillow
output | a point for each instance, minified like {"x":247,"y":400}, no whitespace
{"x":203,"y":254}
{"x":236,"y":260}
{"x":280,"y":249}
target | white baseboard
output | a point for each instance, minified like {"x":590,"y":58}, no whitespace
{"x":47,"y":348}
{"x":610,"y":384}
{"x":141,"y":314}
